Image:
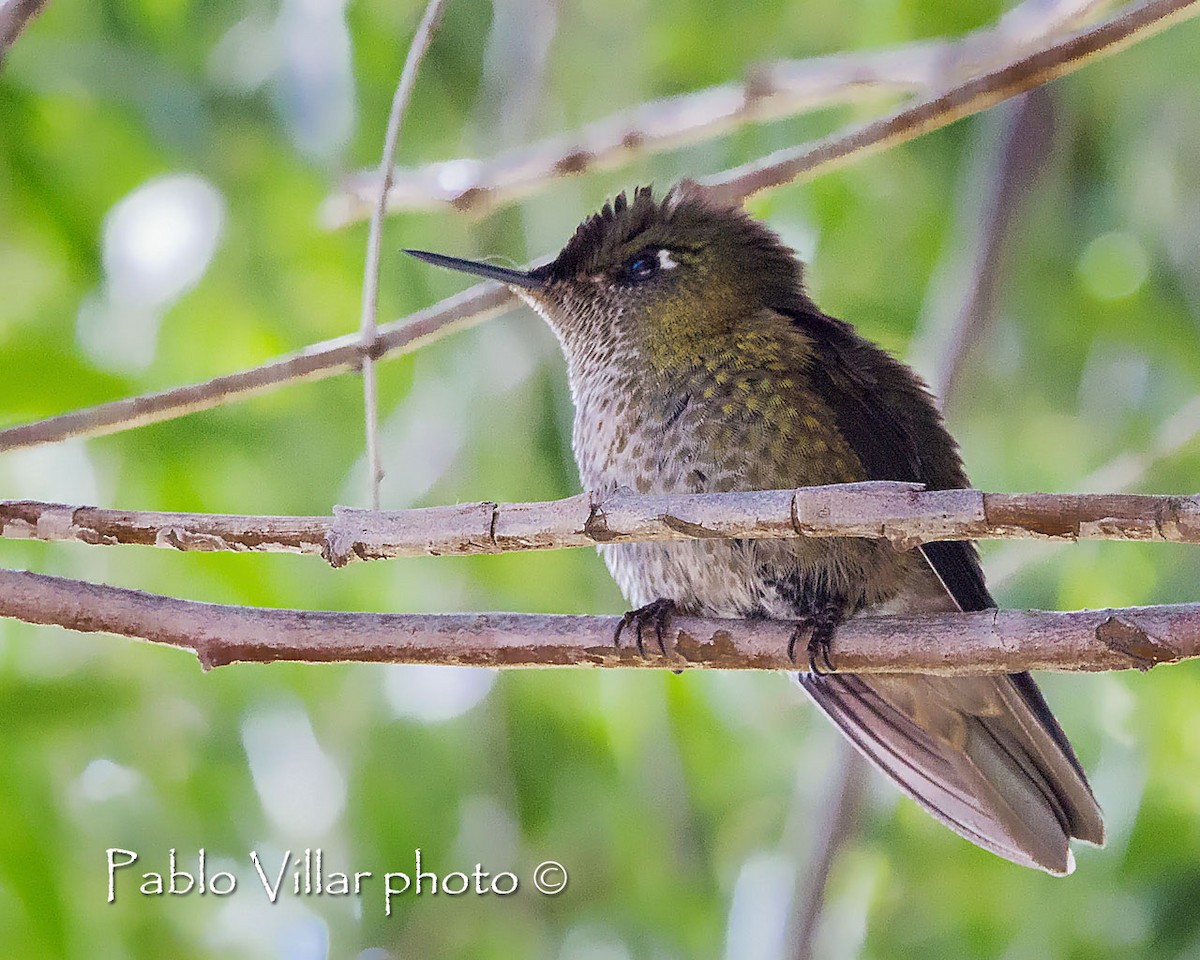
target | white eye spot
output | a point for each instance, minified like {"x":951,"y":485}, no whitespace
{"x":666,"y":261}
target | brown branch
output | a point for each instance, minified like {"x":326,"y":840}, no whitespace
{"x":1005,"y":166}
{"x":1056,"y":60}
{"x":992,"y":641}
{"x":460,"y":312}
{"x":1124,"y":471}
{"x":369,"y":325}
{"x":770,"y":92}
{"x":903,"y":513}
{"x":478,"y":302}
{"x":15,"y":16}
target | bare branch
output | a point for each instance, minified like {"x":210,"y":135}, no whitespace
{"x":905,"y":514}
{"x":478,"y":302}
{"x":992,"y":641}
{"x":965,"y":296}
{"x":471,"y":307}
{"x":370,"y":303}
{"x":1059,"y":59}
{"x":770,"y":92}
{"x":15,"y":16}
{"x":1123,"y":472}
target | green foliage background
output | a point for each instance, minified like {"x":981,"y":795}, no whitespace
{"x":685,"y":807}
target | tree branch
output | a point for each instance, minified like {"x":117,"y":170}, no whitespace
{"x":460,"y":312}
{"x":1124,"y":471}
{"x":1056,"y":60}
{"x":484,"y":300}
{"x":369,"y":326}
{"x":15,"y":16}
{"x":770,"y":92}
{"x":905,"y":514}
{"x":992,"y":641}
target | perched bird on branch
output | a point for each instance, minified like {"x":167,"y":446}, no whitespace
{"x":698,"y":363}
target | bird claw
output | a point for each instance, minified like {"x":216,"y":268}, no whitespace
{"x":819,"y":661}
{"x":657,"y":612}
{"x":820,"y":630}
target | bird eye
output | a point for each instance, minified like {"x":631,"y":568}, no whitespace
{"x":641,"y":266}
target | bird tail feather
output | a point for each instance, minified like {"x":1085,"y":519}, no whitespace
{"x":977,"y":753}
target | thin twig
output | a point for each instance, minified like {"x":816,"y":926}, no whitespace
{"x":997,"y":182}
{"x":15,"y":16}
{"x":991,"y":641}
{"x":839,"y":809}
{"x":904,"y":514}
{"x":369,"y":326}
{"x":963,"y":301}
{"x":325,"y":359}
{"x":1127,"y":469}
{"x":770,"y":92}
{"x":316,"y":362}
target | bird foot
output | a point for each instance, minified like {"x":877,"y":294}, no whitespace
{"x":657,"y":613}
{"x":820,"y":628}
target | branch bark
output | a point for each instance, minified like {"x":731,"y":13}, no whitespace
{"x":903,"y":513}
{"x":482,"y":301}
{"x":15,"y":16}
{"x":1124,"y":471}
{"x":992,"y":641}
{"x":978,"y":94}
{"x":769,"y":92}
{"x":473,"y":306}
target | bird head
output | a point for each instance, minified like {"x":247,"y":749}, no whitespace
{"x":667,"y":276}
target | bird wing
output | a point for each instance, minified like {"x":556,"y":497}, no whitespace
{"x":982,"y":754}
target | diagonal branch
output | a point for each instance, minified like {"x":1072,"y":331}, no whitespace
{"x":964,"y":300}
{"x":992,"y":641}
{"x":479,"y":302}
{"x":1056,"y":60}
{"x":905,"y":514}
{"x":770,"y":92}
{"x":15,"y":16}
{"x":321,"y":360}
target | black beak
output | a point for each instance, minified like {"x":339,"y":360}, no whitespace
{"x":514,"y":278}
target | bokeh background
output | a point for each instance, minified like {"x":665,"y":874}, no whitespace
{"x":161,"y":171}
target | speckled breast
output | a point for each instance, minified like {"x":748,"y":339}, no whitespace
{"x":721,"y":427}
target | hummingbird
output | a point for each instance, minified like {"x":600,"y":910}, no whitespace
{"x":697,"y":364}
